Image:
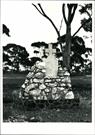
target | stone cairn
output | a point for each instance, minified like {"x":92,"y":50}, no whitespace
{"x":38,"y":87}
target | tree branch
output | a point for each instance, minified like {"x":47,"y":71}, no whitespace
{"x":37,"y":8}
{"x":74,"y":9}
{"x":86,"y":11}
{"x":63,"y":11}
{"x":88,"y":14}
{"x":41,"y":9}
{"x":60,"y":25}
{"x":44,"y":14}
{"x":53,"y":25}
{"x":84,"y":22}
{"x":81,"y":27}
{"x":69,"y":11}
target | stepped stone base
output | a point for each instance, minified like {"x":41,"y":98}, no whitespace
{"x":38,"y":87}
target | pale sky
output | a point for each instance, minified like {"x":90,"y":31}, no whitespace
{"x":27,"y":25}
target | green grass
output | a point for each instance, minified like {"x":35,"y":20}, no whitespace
{"x":14,"y":112}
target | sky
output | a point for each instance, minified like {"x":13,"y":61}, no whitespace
{"x":27,"y":25}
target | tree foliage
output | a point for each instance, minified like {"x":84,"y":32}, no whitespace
{"x":88,"y":24}
{"x":87,"y":9}
{"x":34,"y":60}
{"x":74,"y":45}
{"x":6,"y":30}
{"x":39,"y":44}
{"x":15,"y":55}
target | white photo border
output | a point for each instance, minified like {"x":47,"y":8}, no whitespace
{"x":50,"y":128}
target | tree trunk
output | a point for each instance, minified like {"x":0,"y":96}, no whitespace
{"x":71,"y":11}
{"x":67,"y":48}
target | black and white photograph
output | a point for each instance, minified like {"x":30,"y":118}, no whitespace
{"x":47,"y":65}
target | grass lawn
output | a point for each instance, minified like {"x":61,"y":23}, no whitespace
{"x":16,"y":113}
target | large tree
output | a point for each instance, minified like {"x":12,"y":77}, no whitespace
{"x":78,"y":47}
{"x":15,"y":55}
{"x":67,"y":50}
{"x":68,"y":39}
{"x":42,"y":12}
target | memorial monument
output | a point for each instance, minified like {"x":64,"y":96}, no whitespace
{"x":51,"y":63}
{"x":47,"y":80}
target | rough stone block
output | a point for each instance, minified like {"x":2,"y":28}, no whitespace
{"x":69,"y":85}
{"x":67,"y":73}
{"x":34,"y":97}
{"x":32,"y":68}
{"x":31,"y":81}
{"x":52,"y":84}
{"x":39,"y":66}
{"x":26,"y":94}
{"x":36,"y":80}
{"x":41,"y":81}
{"x":23,"y":86}
{"x":58,"y":79}
{"x":47,"y":90}
{"x":42,"y":86}
{"x":39,"y":75}
{"x":45,"y":97}
{"x":26,"y":81}
{"x":30,"y":75}
{"x":43,"y":93}
{"x":63,"y":80}
{"x":65,"y":90}
{"x":47,"y":80}
{"x":62,"y":84}
{"x":69,"y":95}
{"x":35,"y":92}
{"x":43,"y":70}
{"x":54,"y":90}
{"x":56,"y":96}
{"x":60,"y":88}
{"x":30,"y":87}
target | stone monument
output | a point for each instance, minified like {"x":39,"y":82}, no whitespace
{"x":47,"y":81}
{"x":51,"y":63}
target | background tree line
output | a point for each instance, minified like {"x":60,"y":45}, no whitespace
{"x":70,"y":54}
{"x":16,"y":56}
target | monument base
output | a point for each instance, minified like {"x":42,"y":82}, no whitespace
{"x":38,"y":87}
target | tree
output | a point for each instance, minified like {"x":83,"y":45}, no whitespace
{"x":87,"y":9}
{"x":6,"y":30}
{"x":34,"y":60}
{"x":78,"y":45}
{"x":86,"y":23}
{"x":68,"y":38}
{"x":39,"y":44}
{"x":6,"y":61}
{"x":71,"y":12}
{"x":15,"y":55}
{"x":67,"y":50}
{"x":42,"y":12}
